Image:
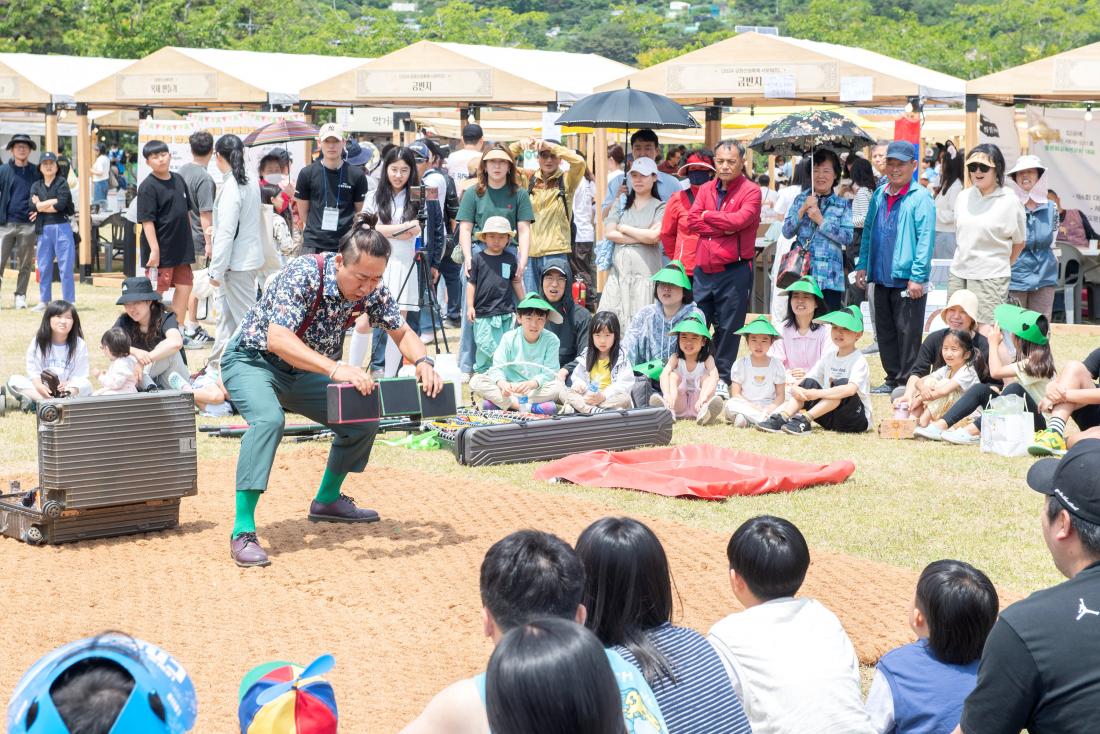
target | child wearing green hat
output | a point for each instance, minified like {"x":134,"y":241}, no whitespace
{"x":757,"y":381}
{"x":690,"y":377}
{"x":836,"y":392}
{"x":525,"y":363}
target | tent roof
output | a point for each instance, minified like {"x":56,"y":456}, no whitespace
{"x":35,"y":80}
{"x":209,"y":77}
{"x":430,"y":72}
{"x":753,"y":68}
{"x":1068,"y":76}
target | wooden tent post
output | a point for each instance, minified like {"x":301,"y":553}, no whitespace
{"x":51,"y":128}
{"x":971,"y":126}
{"x":713,"y":127}
{"x":84,"y":207}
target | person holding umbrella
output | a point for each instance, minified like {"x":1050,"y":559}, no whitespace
{"x":726,"y":215}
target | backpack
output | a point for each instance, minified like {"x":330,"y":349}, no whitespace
{"x":564,"y":203}
{"x":450,"y":211}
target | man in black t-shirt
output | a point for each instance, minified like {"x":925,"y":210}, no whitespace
{"x":163,"y":209}
{"x":329,"y":193}
{"x":1039,"y":667}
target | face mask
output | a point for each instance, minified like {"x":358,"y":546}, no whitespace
{"x":273,"y":178}
{"x":698,"y":178}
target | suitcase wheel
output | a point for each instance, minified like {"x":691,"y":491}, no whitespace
{"x":33,"y":535}
{"x":52,"y":508}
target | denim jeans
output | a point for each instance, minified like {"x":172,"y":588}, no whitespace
{"x":56,"y":241}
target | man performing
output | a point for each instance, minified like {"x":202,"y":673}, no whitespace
{"x":286,"y":352}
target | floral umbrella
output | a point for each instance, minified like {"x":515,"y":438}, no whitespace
{"x":803,"y":131}
{"x":281,"y":131}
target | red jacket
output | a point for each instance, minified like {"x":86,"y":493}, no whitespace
{"x":677,"y":236}
{"x":728,"y":234}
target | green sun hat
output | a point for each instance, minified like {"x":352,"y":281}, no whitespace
{"x":759,"y":325}
{"x":1021,"y":322}
{"x":805,"y":284}
{"x":651,"y":369}
{"x":693,"y":324}
{"x":850,"y":318}
{"x":533,"y":301}
{"x":673,"y":274}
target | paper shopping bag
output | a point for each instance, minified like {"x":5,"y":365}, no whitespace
{"x":1007,"y":434}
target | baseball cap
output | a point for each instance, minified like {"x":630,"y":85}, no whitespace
{"x":901,"y":150}
{"x":1072,"y":479}
{"x":644,"y":166}
{"x":330,"y":130}
{"x":696,"y":162}
{"x":555,"y":268}
{"x":420,"y":150}
{"x":49,"y":155}
{"x":1021,"y":322}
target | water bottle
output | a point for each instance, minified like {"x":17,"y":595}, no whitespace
{"x":524,"y":405}
{"x":593,"y":388}
{"x":151,"y":274}
{"x":901,"y":411}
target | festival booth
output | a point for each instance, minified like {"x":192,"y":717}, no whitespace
{"x":197,"y":79}
{"x":1057,"y":94}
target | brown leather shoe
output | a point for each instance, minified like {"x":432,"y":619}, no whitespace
{"x":246,"y":551}
{"x":342,"y":510}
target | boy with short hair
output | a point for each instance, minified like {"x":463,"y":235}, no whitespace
{"x":525,"y":363}
{"x":494,"y":278}
{"x":790,"y":660}
{"x":163,"y":209}
{"x":836,"y":392}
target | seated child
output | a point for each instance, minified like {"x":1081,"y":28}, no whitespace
{"x":690,"y":377}
{"x":836,"y":392}
{"x":1073,"y":394}
{"x":603,"y":377}
{"x":959,"y":366}
{"x":757,"y":381}
{"x":58,"y":346}
{"x":208,"y":390}
{"x":920,"y":687}
{"x":804,"y":338}
{"x":122,"y":376}
{"x":525,"y":363}
{"x":790,"y":660}
{"x":494,"y":278}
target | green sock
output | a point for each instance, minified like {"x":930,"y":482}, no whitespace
{"x":329,"y":490}
{"x":245,"y":521}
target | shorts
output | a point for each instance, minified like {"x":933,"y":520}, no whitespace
{"x":991,"y":292}
{"x":173,"y":276}
{"x":848,"y":417}
{"x":1087,"y":416}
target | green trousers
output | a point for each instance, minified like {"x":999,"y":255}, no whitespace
{"x":262,"y":387}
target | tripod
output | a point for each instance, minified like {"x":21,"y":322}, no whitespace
{"x":424,"y":285}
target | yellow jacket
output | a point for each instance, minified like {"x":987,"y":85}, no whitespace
{"x":550,"y":232}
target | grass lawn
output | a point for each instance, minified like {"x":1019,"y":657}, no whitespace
{"x":909,"y":502}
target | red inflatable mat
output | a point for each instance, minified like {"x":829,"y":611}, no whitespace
{"x":708,"y":472}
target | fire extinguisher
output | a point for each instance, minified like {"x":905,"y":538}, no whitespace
{"x":580,"y":291}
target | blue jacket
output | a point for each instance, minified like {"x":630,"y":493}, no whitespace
{"x":916,"y":234}
{"x":1037,"y":266}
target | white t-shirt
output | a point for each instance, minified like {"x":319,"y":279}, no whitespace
{"x":831,"y":368}
{"x":945,"y":207}
{"x":101,"y":169}
{"x":458,"y":163}
{"x":966,"y":377}
{"x":793,"y":667}
{"x":758,"y":383}
{"x":584,"y":208}
{"x":57,"y":361}
{"x":985,"y":228}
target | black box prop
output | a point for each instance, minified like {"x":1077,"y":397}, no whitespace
{"x":108,"y":465}
{"x":398,"y":396}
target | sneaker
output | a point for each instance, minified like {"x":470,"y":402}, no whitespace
{"x":722,"y":391}
{"x":871,"y":348}
{"x":740,"y":421}
{"x":884,"y":389}
{"x":176,"y":382}
{"x":342,"y":510}
{"x":1048,"y":443}
{"x":772,"y":424}
{"x":930,"y":432}
{"x":961,"y":437}
{"x":737,"y":418}
{"x":198,"y":340}
{"x":568,"y":410}
{"x":20,"y":302}
{"x":427,"y":337}
{"x":377,"y":374}
{"x":798,"y":425}
{"x":710,"y":413}
{"x":656,"y":401}
{"x":546,"y":408}
{"x":246,"y":551}
{"x":39,"y":307}
{"x":453,"y":323}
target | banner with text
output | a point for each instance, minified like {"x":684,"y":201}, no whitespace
{"x":1068,"y":146}
{"x":997,"y":125}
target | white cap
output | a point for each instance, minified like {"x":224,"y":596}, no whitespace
{"x":644,"y":166}
{"x":330,"y":130}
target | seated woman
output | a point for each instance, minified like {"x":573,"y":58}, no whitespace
{"x":803,"y":339}
{"x":154,"y":334}
{"x":58,"y":347}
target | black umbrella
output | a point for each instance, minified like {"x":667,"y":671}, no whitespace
{"x":628,"y":108}
{"x":801,"y":132}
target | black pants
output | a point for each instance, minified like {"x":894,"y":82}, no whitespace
{"x":848,"y":417}
{"x":833,"y":299}
{"x":898,"y":326}
{"x":979,"y":396}
{"x":723,"y":297}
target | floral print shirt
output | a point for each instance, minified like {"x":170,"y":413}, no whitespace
{"x":826,"y":242}
{"x":292,"y":295}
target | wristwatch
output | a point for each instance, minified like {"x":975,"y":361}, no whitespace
{"x":429,"y":360}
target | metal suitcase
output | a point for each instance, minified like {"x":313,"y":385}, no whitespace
{"x":107,"y":465}
{"x":560,"y":436}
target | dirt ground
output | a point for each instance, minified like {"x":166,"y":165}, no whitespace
{"x":396,"y":602}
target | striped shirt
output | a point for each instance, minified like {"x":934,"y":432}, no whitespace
{"x":702,"y":700}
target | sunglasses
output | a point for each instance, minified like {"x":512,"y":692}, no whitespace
{"x":546,"y":154}
{"x":972,"y":167}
